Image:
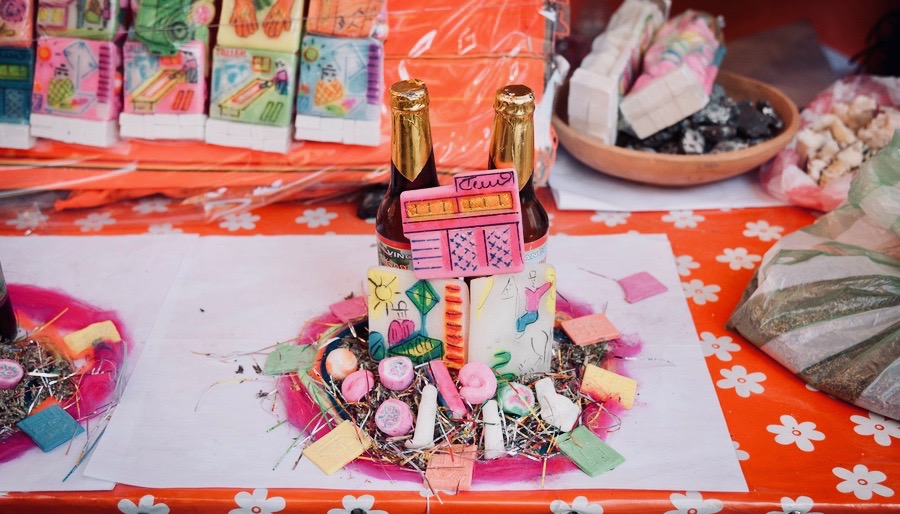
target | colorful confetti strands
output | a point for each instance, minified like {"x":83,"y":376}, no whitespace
{"x":338,"y":448}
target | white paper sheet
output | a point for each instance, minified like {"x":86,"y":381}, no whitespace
{"x":578,"y":187}
{"x":173,"y":430}
{"x":130,"y":275}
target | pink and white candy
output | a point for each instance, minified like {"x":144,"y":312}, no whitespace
{"x":11,"y":373}
{"x":340,"y":363}
{"x":394,"y":418}
{"x":479,"y":384}
{"x":396,"y":373}
{"x":357,"y":385}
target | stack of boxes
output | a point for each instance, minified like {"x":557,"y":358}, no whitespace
{"x":166,"y":67}
{"x":16,"y":73}
{"x":77,"y":85}
{"x":254,"y":74}
{"x":341,"y":78}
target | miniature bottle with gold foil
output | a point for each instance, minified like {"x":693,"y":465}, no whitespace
{"x":512,"y":146}
{"x":8,"y":325}
{"x":412,"y":167}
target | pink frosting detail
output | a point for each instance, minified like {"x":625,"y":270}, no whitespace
{"x":396,"y":373}
{"x":479,"y":384}
{"x":394,"y":417}
{"x":357,"y":385}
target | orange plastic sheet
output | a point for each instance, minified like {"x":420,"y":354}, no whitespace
{"x":463,"y":49}
{"x":800,"y":450}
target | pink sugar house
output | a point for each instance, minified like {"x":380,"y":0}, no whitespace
{"x":472,"y":227}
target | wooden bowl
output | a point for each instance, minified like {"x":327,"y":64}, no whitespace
{"x":681,"y":170}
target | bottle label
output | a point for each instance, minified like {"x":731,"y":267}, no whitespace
{"x":395,"y":254}
{"x":536,"y":251}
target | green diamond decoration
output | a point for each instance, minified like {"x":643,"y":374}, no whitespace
{"x":423,"y":296}
{"x":420,"y":349}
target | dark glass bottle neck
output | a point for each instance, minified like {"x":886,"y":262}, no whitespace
{"x":427,"y":177}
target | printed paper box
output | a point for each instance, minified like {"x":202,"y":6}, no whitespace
{"x":253,"y":86}
{"x":346,"y":18}
{"x":341,"y":78}
{"x":76,"y":78}
{"x":165,"y":25}
{"x":89,"y":19}
{"x":16,"y":22}
{"x":16,"y":73}
{"x":165,"y":84}
{"x":261,"y":24}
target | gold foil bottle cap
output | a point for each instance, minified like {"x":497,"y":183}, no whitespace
{"x":515,"y":100}
{"x":409,"y":95}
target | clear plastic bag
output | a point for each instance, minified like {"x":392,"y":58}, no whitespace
{"x":825,"y":302}
{"x":784,"y":176}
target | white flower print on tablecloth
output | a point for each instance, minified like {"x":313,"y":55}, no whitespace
{"x":94,"y":222}
{"x":721,"y":347}
{"x":163,"y":228}
{"x":692,"y":502}
{"x":876,"y":425}
{"x":790,"y":431}
{"x":611,"y":218}
{"x":684,"y":264}
{"x":257,"y":503}
{"x":802,"y":505}
{"x":152,"y":205}
{"x":28,"y":220}
{"x":319,"y":217}
{"x":762,"y":230}
{"x":738,"y":258}
{"x":683,"y":219}
{"x":740,"y":454}
{"x":580,"y":505}
{"x":862,"y":482}
{"x":699,"y":292}
{"x":235,"y":222}
{"x":743,"y":383}
{"x":353,"y":505}
{"x":144,"y":506}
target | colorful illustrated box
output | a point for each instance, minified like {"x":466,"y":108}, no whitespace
{"x":165,"y":84}
{"x":16,"y":22}
{"x":341,"y":78}
{"x":341,"y":85}
{"x":89,"y":19}
{"x":252,"y":86}
{"x":165,"y":96}
{"x":76,"y":79}
{"x":165,"y":25}
{"x":345,"y":18}
{"x":16,"y":74}
{"x":261,"y":24}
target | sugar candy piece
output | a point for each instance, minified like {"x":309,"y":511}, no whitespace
{"x":451,"y":470}
{"x":50,"y":427}
{"x":603,"y":385}
{"x":350,"y":310}
{"x":641,"y":285}
{"x":102,"y":332}
{"x":591,"y":329}
{"x":440,"y":376}
{"x":589,"y":452}
{"x":749,"y":121}
{"x":338,"y":448}
{"x":11,"y":374}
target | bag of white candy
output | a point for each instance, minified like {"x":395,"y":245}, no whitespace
{"x":840,"y":129}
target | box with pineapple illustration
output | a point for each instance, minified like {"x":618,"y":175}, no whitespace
{"x":341,"y":78}
{"x":253,"y":86}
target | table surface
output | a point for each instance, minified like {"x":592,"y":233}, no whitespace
{"x":800,"y":450}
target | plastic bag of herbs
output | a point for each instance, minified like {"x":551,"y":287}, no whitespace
{"x":825,"y":301}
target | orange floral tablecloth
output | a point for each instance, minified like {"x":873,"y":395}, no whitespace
{"x":801,"y":450}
